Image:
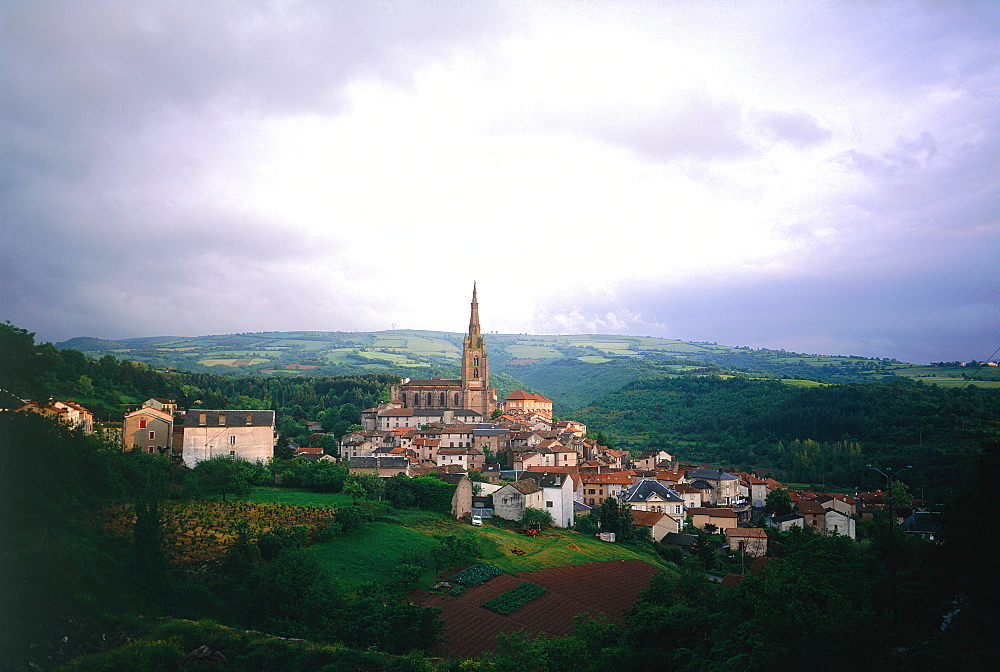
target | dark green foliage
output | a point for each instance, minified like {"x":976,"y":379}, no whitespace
{"x":615,"y":515}
{"x":220,"y":476}
{"x":514,"y":599}
{"x":453,"y":550}
{"x":425,"y":492}
{"x":352,"y":517}
{"x":475,"y":575}
{"x":746,"y":420}
{"x":586,"y":524}
{"x":778,"y":502}
{"x":533,"y":516}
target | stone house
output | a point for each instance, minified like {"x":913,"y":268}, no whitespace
{"x":721,"y":518}
{"x":595,"y":488}
{"x":659,"y":524}
{"x":512,"y":499}
{"x":148,"y":429}
{"x":751,"y":540}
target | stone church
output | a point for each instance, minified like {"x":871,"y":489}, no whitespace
{"x":472,"y":392}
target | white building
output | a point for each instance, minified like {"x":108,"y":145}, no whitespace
{"x":246,"y":434}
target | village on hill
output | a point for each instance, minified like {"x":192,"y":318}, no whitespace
{"x":509,"y":456}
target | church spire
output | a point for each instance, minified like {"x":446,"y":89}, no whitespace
{"x":474,"y":319}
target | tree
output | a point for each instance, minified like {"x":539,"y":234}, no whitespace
{"x":615,"y":515}
{"x":323,"y":476}
{"x":586,"y":524}
{"x":778,"y":502}
{"x":221,"y":475}
{"x":533,"y":516}
{"x":901,"y":496}
{"x":354,"y":489}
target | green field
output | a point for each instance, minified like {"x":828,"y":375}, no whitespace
{"x":370,"y":554}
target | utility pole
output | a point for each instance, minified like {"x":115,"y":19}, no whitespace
{"x":890,"y":520}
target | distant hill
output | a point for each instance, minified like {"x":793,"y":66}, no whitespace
{"x":571,"y":370}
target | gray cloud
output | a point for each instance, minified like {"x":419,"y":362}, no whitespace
{"x":120,"y":119}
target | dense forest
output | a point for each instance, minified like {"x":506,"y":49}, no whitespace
{"x":817,"y":433}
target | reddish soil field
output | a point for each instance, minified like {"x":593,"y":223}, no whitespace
{"x":606,"y":588}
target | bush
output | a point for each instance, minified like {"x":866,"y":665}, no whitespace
{"x":147,"y":655}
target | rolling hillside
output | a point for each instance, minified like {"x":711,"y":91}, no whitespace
{"x":571,"y":370}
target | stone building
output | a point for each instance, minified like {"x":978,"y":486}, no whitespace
{"x":472,"y":392}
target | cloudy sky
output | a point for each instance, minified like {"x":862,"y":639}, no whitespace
{"x":820,"y":177}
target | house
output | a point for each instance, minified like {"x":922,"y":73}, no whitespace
{"x":160,"y":404}
{"x":247,"y":434}
{"x":519,"y":402}
{"x":692,"y":496}
{"x":649,"y":460}
{"x":785,"y":523}
{"x":712,"y":519}
{"x":680,"y":540}
{"x":68,"y":412}
{"x":659,"y":524}
{"x":750,"y":540}
{"x":512,"y":499}
{"x":595,"y":488}
{"x":813,"y":515}
{"x":650,"y":495}
{"x":924,"y":524}
{"x":838,"y":523}
{"x":149,"y":430}
{"x":384,"y":466}
{"x":557,"y":495}
{"x":467,"y":458}
{"x":725,"y":487}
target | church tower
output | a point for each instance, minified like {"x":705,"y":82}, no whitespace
{"x":477,"y":393}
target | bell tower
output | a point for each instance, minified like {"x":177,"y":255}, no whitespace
{"x":476,"y":391}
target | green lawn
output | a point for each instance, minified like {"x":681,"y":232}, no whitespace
{"x":370,"y":554}
{"x":294,"y":497}
{"x":555,"y":548}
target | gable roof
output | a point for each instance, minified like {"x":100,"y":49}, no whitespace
{"x":647,"y":518}
{"x":525,"y":486}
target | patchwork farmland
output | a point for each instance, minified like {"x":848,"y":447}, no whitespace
{"x":594,"y":588}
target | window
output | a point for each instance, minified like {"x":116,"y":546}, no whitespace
{"x":142,"y":424}
{"x":249,"y":418}
{"x":475,"y":362}
{"x":443,"y":402}
{"x":548,"y":504}
{"x":232,"y":453}
{"x":404,"y":399}
{"x":152,"y":450}
{"x":456,"y":399}
{"x":475,"y":373}
{"x":152,"y":435}
{"x":222,"y":419}
{"x":232,"y":440}
{"x":202,"y":418}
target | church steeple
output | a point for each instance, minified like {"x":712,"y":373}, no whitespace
{"x":476,"y":391}
{"x":474,"y":319}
